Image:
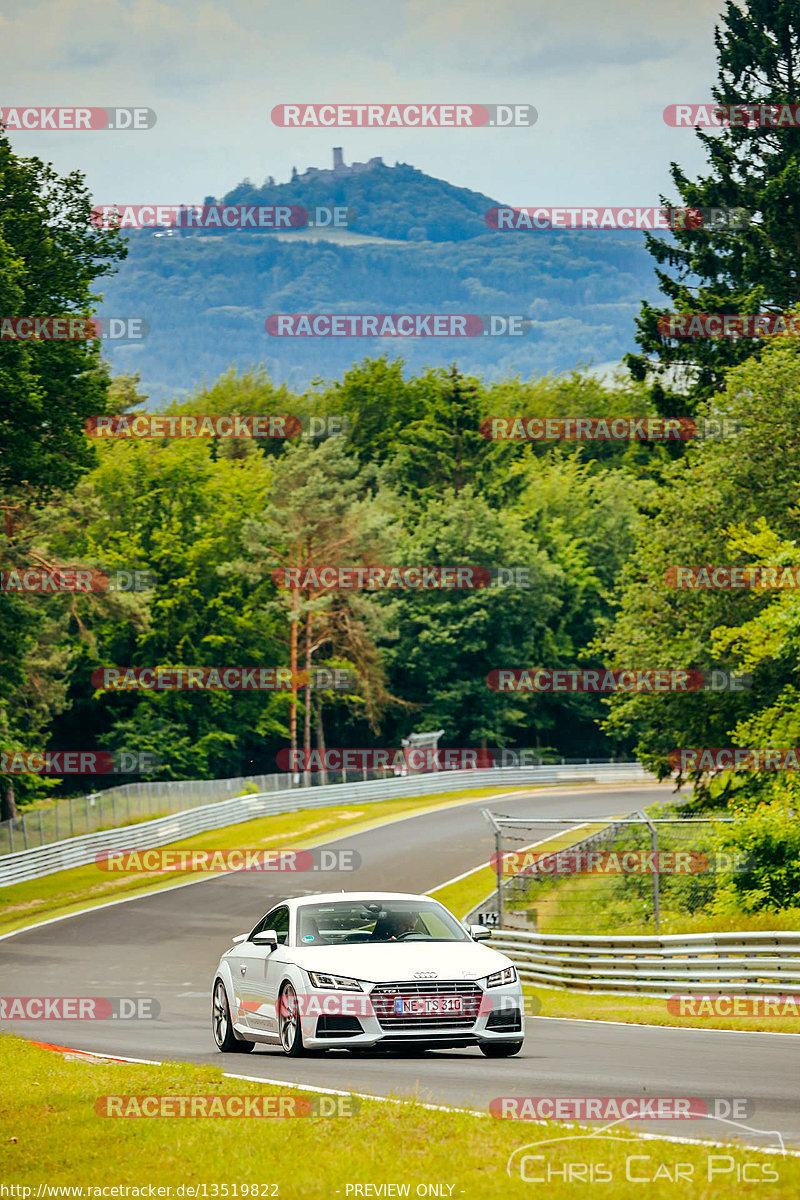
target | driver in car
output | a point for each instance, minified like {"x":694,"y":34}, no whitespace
{"x":393,"y":926}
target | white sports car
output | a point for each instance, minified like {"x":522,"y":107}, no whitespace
{"x":364,"y":969}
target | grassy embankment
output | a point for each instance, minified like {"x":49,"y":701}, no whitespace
{"x":52,"y":1134}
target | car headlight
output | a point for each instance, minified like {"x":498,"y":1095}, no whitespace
{"x":340,"y":983}
{"x":507,"y":975}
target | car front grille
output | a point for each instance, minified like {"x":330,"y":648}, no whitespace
{"x":384,"y":995}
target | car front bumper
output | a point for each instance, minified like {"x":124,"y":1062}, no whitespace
{"x":350,"y":1019}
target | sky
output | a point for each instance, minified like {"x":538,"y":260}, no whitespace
{"x":599,"y":76}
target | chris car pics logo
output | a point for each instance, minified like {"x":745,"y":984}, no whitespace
{"x":587,"y":1157}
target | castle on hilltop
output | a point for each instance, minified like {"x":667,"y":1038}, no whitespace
{"x":339,"y":167}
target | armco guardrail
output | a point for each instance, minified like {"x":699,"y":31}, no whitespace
{"x":128,"y":803}
{"x":78,"y":851}
{"x":738,"y":963}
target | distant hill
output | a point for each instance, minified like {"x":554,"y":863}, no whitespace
{"x":392,"y":202}
{"x":206,"y":296}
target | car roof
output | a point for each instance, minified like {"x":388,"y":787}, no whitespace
{"x":330,"y":897}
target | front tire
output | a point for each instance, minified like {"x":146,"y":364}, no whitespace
{"x":500,"y":1049}
{"x":291,"y":1034}
{"x":222,"y":1025}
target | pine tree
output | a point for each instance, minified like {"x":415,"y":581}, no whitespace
{"x":754,"y":168}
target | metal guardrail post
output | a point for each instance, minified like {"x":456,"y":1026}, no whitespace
{"x":71,"y":819}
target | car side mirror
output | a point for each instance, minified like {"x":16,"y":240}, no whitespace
{"x":267,"y":937}
{"x":479,"y":933}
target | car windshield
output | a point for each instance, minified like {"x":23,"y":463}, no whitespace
{"x":347,"y":922}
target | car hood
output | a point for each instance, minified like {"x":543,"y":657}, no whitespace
{"x":390,"y":962}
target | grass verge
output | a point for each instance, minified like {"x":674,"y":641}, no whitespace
{"x":645,"y":1010}
{"x":52,"y":1134}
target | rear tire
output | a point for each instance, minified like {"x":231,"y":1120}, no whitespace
{"x":500,"y":1049}
{"x":222,"y":1025}
{"x":291,"y":1034}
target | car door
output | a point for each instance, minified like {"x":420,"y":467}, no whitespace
{"x":246,"y":964}
{"x":275,"y":964}
{"x":255,"y":971}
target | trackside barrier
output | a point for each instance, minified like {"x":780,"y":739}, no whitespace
{"x":128,"y":803}
{"x":743,"y":964}
{"x":79,"y":851}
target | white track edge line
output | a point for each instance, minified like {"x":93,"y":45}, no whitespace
{"x":308,"y":1087}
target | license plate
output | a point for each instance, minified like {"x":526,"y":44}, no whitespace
{"x":424,"y":1006}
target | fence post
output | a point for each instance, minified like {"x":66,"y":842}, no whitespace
{"x":498,"y":854}
{"x":58,"y":806}
{"x":656,"y":877}
{"x":113,"y":810}
{"x":11,"y":835}
{"x":25,"y":831}
{"x":41,"y":829}
{"x":87,"y":814}
{"x":71,"y":819}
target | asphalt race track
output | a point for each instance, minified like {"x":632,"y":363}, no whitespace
{"x":167,"y":945}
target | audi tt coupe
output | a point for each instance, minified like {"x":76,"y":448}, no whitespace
{"x":366,"y":970}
